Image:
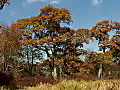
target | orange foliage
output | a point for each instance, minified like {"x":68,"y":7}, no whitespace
{"x":30,"y":42}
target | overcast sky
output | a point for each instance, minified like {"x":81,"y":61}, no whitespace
{"x":85,"y":13}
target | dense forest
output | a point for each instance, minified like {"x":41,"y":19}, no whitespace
{"x":24,"y":44}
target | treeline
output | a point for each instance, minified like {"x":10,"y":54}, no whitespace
{"x":27,"y":40}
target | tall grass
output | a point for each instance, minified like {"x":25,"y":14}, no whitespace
{"x":80,"y":85}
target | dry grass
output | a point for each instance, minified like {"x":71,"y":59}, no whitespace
{"x":80,"y":85}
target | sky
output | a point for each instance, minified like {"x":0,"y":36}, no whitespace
{"x":85,"y":13}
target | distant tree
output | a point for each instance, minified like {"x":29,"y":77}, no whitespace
{"x":2,"y":2}
{"x":10,"y":49}
{"x":115,"y":40}
{"x":107,"y":45}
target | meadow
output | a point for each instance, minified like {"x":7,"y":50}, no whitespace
{"x":80,"y":85}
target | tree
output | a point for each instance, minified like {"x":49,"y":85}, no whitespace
{"x":2,"y":2}
{"x":115,"y":47}
{"x":101,"y":33}
{"x":9,"y":47}
{"x":46,"y":26}
{"x":61,"y":44}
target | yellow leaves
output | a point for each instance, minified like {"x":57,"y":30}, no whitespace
{"x":24,"y":21}
{"x":75,"y":57}
{"x":104,"y":29}
{"x":59,"y":40}
{"x":106,"y":55}
{"x":78,"y":65}
{"x":49,"y":38}
{"x":74,"y":39}
{"x":29,"y":42}
{"x":116,"y":38}
{"x":89,"y":36}
{"x":118,"y":32}
{"x":46,"y":8}
{"x":67,"y":35}
{"x":114,"y":24}
{"x":94,"y":27}
{"x":30,"y":32}
{"x":1,"y":45}
{"x":43,"y":41}
{"x":25,"y":39}
{"x":63,"y":36}
{"x":41,"y":27}
{"x":65,"y":14}
{"x":104,"y":36}
{"x":86,"y":41}
{"x":57,"y":14}
{"x":59,"y":56}
{"x":26,"y":34}
{"x":105,"y":42}
{"x":104,"y":23}
{"x":64,"y":10}
{"x":115,"y":46}
{"x":94,"y":53}
{"x":80,"y":31}
{"x":37,"y":28}
{"x":72,"y":62}
{"x":45,"y":17}
{"x":58,"y":61}
{"x":100,"y":23}
{"x":46,"y":62}
{"x":63,"y":30}
{"x":20,"y":46}
{"x":105,"y":62}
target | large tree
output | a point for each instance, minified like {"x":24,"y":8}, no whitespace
{"x":61,"y":44}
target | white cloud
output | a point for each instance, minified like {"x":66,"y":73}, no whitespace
{"x":44,"y":1}
{"x":51,"y":1}
{"x":54,"y":2}
{"x":96,"y":2}
{"x":29,"y":2}
{"x":32,"y":1}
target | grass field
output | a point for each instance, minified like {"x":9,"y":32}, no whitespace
{"x":80,"y":85}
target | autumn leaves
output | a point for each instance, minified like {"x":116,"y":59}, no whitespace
{"x":61,"y":44}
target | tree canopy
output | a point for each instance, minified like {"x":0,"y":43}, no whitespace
{"x":30,"y":37}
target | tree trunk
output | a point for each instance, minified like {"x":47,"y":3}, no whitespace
{"x":100,"y":71}
{"x":4,"y":64}
{"x":55,"y":73}
{"x":28,"y":61}
{"x":60,"y":67}
{"x":32,"y":64}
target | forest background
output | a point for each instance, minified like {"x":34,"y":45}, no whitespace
{"x":62,"y":38}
